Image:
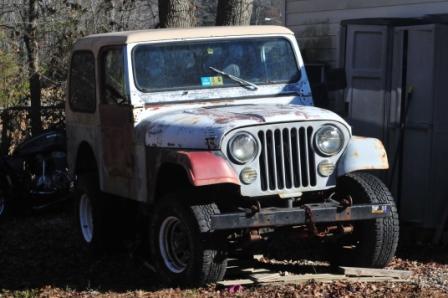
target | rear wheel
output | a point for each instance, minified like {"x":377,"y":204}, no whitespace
{"x":182,"y":247}
{"x":91,"y":216}
{"x":373,"y":242}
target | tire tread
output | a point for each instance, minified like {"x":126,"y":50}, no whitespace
{"x":385,"y":233}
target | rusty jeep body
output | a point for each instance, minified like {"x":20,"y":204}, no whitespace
{"x":211,"y":134}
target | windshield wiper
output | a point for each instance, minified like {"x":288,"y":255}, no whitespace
{"x":242,"y":82}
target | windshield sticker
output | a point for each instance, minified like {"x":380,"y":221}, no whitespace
{"x":206,"y":81}
{"x":212,"y":81}
{"x":210,"y":51}
{"x":217,"y":81}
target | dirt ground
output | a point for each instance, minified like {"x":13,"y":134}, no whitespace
{"x":40,"y":257}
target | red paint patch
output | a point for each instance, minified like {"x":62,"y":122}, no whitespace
{"x":206,"y":168}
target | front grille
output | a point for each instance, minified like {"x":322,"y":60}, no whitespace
{"x":286,"y":160}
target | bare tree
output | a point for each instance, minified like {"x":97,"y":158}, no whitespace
{"x":234,"y":12}
{"x":32,"y":49}
{"x":177,"y":13}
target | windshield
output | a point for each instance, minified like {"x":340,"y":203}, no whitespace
{"x":193,"y":65}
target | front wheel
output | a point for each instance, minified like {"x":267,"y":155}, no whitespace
{"x":373,"y":242}
{"x":181,"y":246}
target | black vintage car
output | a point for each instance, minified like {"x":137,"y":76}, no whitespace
{"x":35,"y":175}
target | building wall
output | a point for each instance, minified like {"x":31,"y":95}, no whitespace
{"x":317,"y":22}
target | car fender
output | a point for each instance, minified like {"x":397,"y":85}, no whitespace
{"x":363,"y":154}
{"x":207,"y":168}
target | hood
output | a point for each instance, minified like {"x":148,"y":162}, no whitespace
{"x":204,"y":127}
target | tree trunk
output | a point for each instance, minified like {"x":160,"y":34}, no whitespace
{"x":177,"y":13}
{"x":234,"y":12}
{"x":32,"y":47}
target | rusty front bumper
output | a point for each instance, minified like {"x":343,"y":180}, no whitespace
{"x":315,"y":213}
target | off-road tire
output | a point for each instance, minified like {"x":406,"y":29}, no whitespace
{"x":102,"y":236}
{"x":375,"y":241}
{"x":208,"y":262}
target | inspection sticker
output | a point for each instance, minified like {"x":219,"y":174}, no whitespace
{"x":379,"y":209}
{"x":212,"y":81}
{"x":206,"y":81}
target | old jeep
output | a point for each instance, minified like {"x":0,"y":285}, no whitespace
{"x":207,"y":140}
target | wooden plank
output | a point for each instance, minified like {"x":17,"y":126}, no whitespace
{"x":336,"y":16}
{"x":326,"y":277}
{"x":303,"y":278}
{"x":235,"y":282}
{"x":326,"y":5}
{"x":265,"y":277}
{"x":355,"y":271}
{"x":316,"y":30}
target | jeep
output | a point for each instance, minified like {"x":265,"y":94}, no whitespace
{"x":207,"y":141}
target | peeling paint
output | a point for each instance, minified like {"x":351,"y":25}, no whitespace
{"x":363,"y":154}
{"x":203,"y":127}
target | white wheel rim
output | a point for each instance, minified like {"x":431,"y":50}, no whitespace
{"x":174,"y":245}
{"x":85,"y":218}
{"x":2,"y":205}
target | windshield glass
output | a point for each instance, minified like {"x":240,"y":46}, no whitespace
{"x":193,"y":65}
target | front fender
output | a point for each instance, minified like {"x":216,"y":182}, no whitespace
{"x":207,"y":168}
{"x":363,"y":154}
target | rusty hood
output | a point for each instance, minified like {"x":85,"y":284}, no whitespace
{"x":204,"y":127}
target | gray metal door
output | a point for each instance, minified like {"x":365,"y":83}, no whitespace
{"x":417,"y":71}
{"x":424,"y":179}
{"x":366,"y":64}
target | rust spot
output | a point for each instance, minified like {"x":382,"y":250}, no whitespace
{"x":118,"y":152}
{"x":211,"y":143}
{"x":153,"y":107}
{"x":302,"y":114}
{"x":344,"y":215}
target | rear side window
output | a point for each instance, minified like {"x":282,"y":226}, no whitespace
{"x":82,"y":82}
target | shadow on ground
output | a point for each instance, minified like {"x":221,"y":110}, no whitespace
{"x":43,"y":250}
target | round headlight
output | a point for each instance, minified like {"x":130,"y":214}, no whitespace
{"x":243,"y":147}
{"x":329,"y":140}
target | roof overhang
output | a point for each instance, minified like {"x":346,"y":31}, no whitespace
{"x":96,"y":41}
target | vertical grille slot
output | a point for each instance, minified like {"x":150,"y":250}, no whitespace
{"x":287,"y":159}
{"x":264,"y":178}
{"x":278,"y":147}
{"x":295,"y":158}
{"x":312,"y":164}
{"x":303,"y":144}
{"x":271,"y":160}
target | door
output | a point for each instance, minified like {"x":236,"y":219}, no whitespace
{"x":116,"y":118}
{"x":416,"y":98}
{"x":366,"y":63}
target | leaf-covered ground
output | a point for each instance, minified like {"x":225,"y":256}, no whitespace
{"x":40,"y":257}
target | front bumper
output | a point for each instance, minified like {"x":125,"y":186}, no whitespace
{"x":316,"y":213}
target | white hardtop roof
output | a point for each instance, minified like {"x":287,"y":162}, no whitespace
{"x":96,"y":41}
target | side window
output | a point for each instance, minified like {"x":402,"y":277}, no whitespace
{"x":114,"y":88}
{"x":82,"y":82}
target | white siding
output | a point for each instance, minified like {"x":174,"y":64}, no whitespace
{"x":317,"y":22}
